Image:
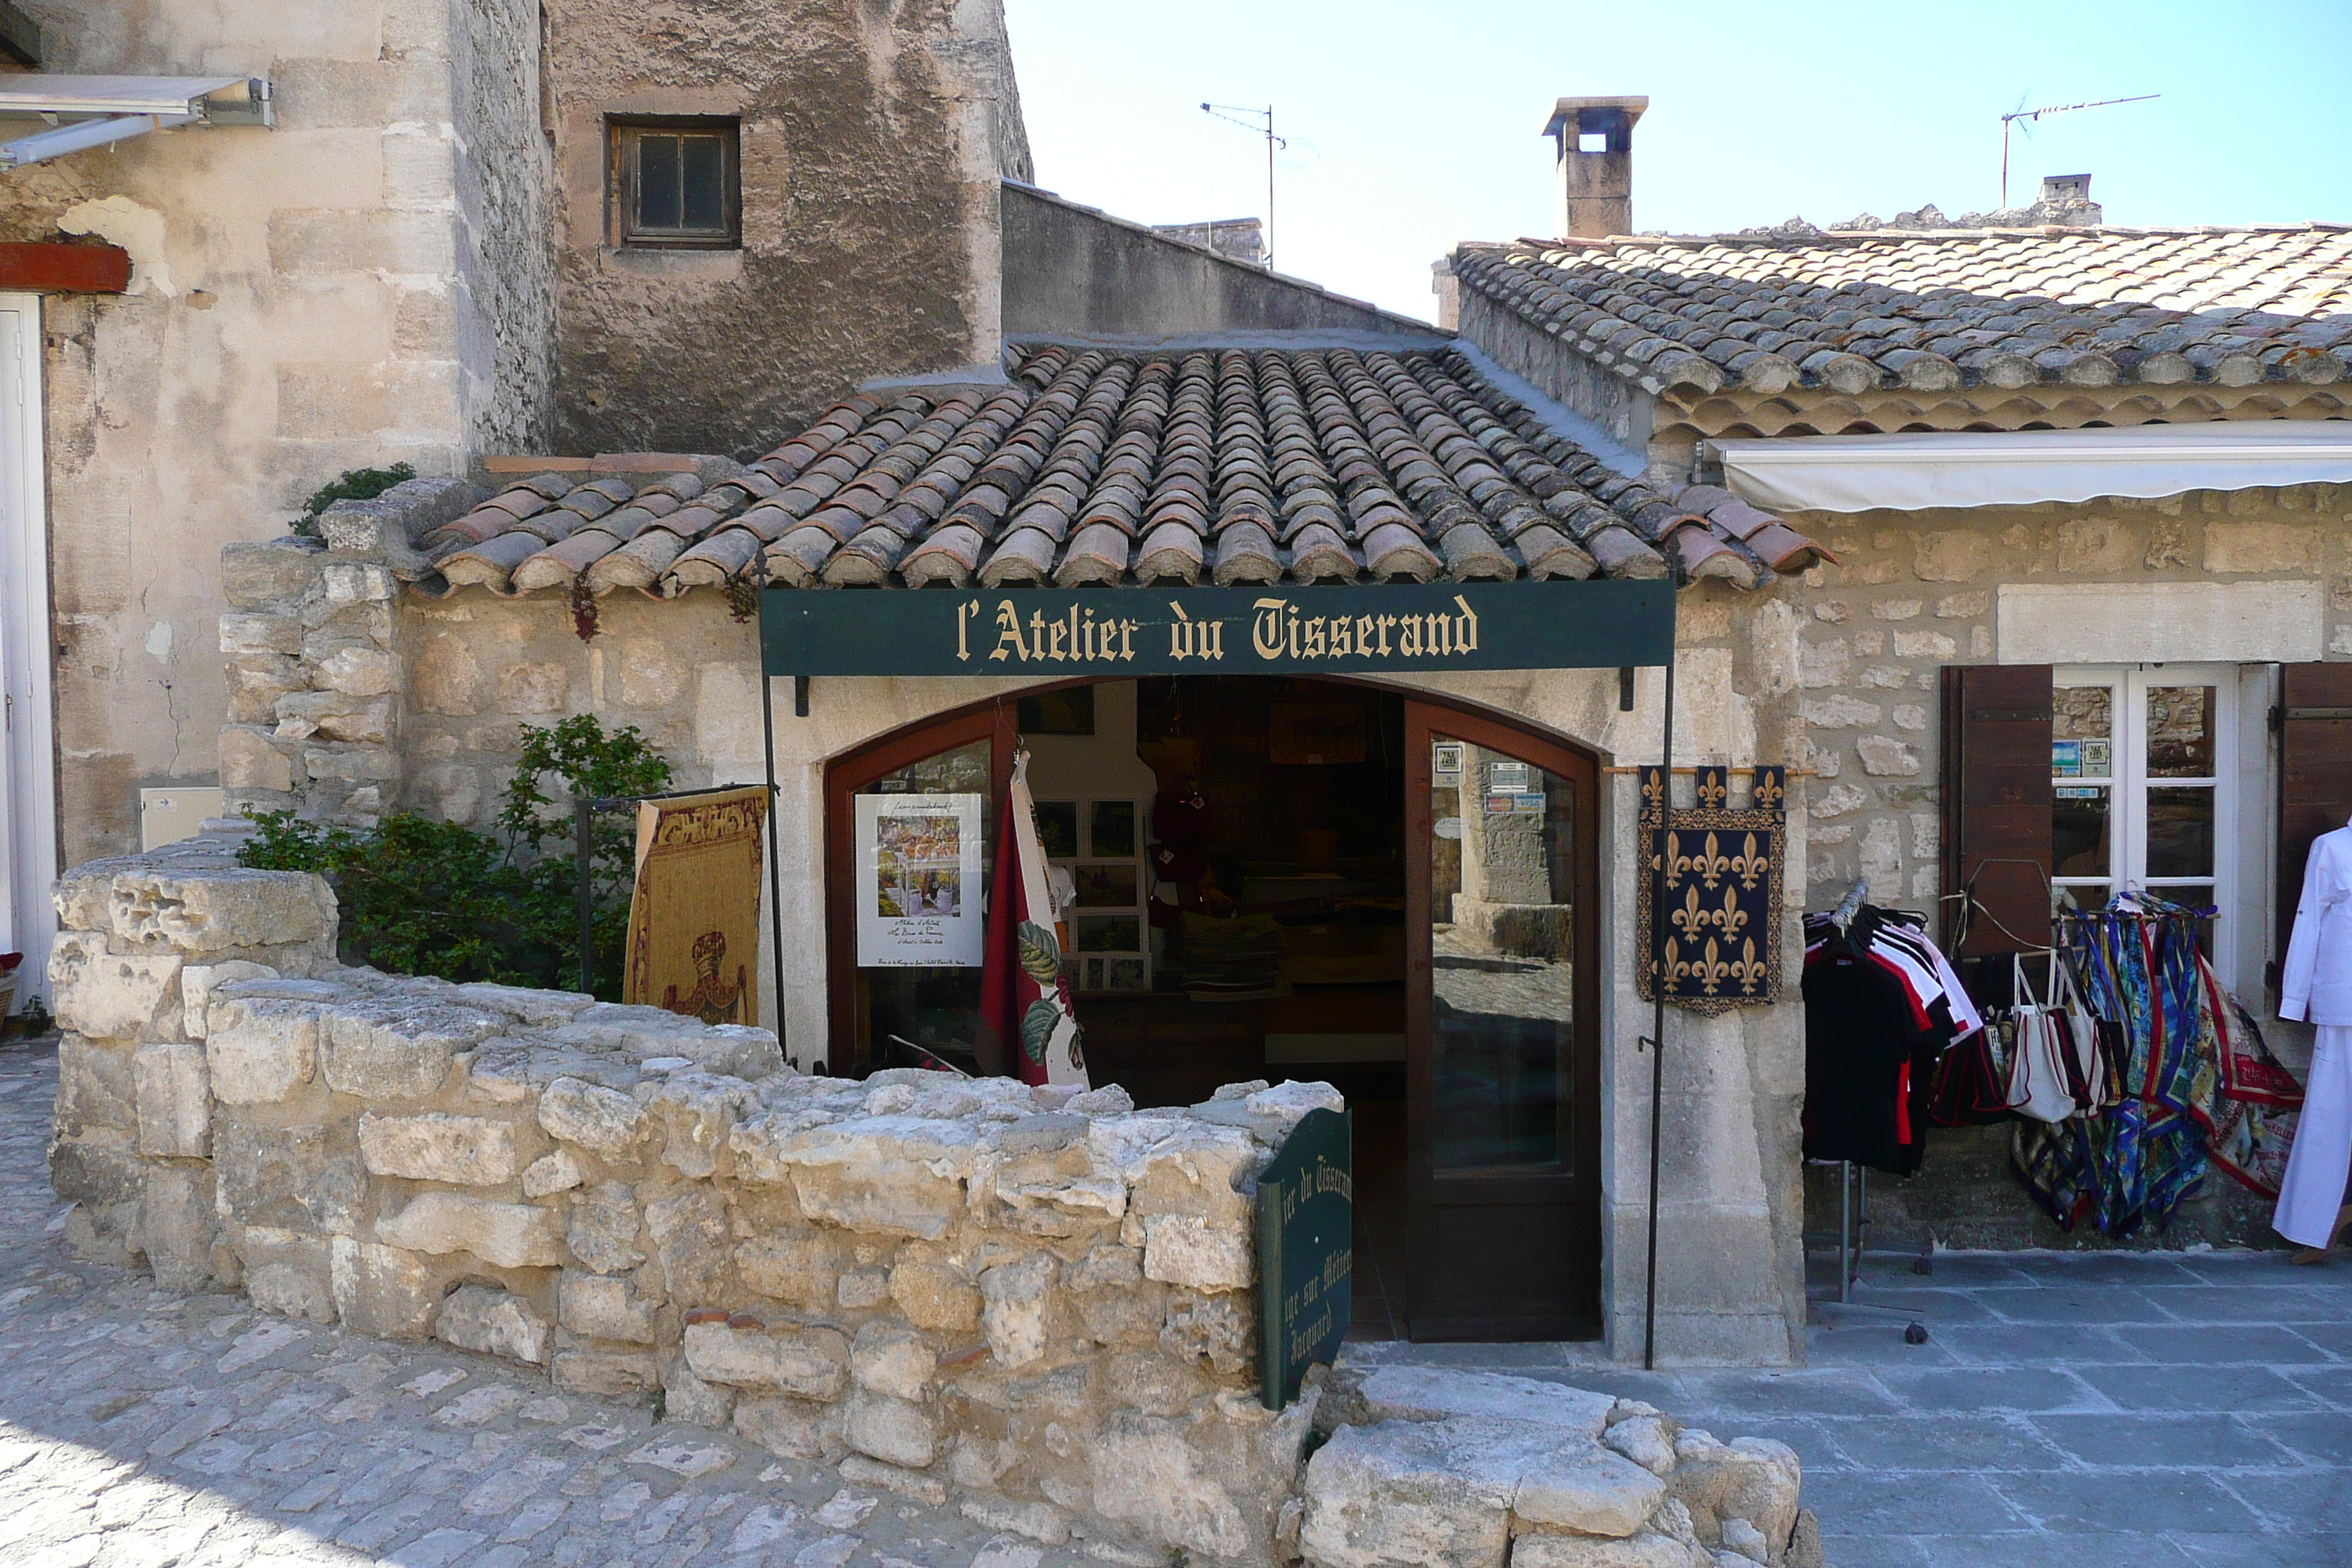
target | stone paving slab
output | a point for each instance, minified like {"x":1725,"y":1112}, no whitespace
{"x":143,"y":1427}
{"x":2169,"y":1410}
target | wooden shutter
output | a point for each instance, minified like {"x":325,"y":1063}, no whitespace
{"x":2313,"y":720}
{"x":1996,"y":799}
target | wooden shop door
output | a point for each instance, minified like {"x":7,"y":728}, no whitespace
{"x":1502,"y":1043}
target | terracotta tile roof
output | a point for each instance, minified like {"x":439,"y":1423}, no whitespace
{"x":1849,"y":311}
{"x":1228,"y":465}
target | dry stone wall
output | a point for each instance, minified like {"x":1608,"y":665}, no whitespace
{"x":1039,"y":1303}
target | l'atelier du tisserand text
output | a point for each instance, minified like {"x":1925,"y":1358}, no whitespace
{"x":1277,"y":631}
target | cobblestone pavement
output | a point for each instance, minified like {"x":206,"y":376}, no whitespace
{"x":2149,"y":1410}
{"x":142,"y":1428}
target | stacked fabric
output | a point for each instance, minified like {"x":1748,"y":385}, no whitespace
{"x":1234,"y":958}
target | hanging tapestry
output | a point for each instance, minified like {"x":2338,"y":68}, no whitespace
{"x":1722,"y":911}
{"x":694,"y":918}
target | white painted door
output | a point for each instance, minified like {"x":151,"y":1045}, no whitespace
{"x":28,"y":843}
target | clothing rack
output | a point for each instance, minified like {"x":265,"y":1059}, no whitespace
{"x":1854,"y":1239}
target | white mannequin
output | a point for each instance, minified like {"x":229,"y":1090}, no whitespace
{"x":2317,"y":985}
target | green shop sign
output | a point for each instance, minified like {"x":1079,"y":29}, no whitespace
{"x":1287,"y":629}
{"x":1305,"y":1256}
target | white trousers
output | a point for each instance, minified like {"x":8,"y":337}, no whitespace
{"x":2315,"y":1166}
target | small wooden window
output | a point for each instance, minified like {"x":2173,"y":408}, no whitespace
{"x":674,"y":182}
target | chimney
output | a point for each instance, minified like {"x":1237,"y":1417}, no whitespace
{"x":1595,"y":141}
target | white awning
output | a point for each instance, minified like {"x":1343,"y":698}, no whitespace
{"x":81,"y":111}
{"x":1918,"y":471}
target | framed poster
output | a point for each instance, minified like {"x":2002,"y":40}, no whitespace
{"x":918,"y":880}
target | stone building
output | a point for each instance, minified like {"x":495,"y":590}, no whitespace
{"x":430,"y":256}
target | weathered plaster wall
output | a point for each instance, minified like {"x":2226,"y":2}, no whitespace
{"x":1070,"y":268}
{"x":873,"y":136}
{"x":294,"y":311}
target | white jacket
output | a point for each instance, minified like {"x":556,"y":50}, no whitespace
{"x":2318,"y":983}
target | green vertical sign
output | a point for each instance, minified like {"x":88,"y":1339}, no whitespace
{"x":1305,"y":1256}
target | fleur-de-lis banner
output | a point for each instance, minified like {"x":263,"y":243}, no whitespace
{"x":1722,"y":862}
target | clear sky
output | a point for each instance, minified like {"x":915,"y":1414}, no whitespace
{"x":1417,"y":125}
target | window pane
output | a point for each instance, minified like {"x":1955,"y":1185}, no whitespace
{"x":2077,"y":898}
{"x":2082,"y":731}
{"x":2179,"y":833}
{"x":2078,"y":830}
{"x":1502,"y":875}
{"x":658,"y":202}
{"x":2181,"y":732}
{"x":705,"y":174}
{"x":936,"y":1007}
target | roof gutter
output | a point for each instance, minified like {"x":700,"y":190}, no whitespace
{"x":83,"y":113}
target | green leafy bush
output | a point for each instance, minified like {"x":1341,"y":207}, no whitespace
{"x":351,"y":484}
{"x":421,"y":897}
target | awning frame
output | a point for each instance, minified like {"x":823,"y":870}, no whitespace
{"x":85,"y":111}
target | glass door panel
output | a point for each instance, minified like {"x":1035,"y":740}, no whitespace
{"x":2082,"y":793}
{"x":1502,"y":1060}
{"x":936,"y":1008}
{"x":1502,"y":924}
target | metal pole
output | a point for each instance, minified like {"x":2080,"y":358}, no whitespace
{"x":1269,"y":187}
{"x":775,"y":878}
{"x":582,"y":833}
{"x":1657,"y":957}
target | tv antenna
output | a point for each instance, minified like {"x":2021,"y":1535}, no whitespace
{"x":1231,"y":113}
{"x":2030,"y":114}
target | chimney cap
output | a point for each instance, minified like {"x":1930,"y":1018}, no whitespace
{"x":1568,"y":108}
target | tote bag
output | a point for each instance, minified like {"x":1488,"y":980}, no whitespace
{"x":2037,"y":1080}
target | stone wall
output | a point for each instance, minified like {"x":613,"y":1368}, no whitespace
{"x":873,"y":139}
{"x":1040,"y":1303}
{"x":303,"y":301}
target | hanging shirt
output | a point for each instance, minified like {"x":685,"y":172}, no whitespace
{"x":2316,"y":981}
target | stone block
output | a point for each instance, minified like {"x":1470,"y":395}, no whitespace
{"x":1214,"y":1330}
{"x":1754,"y":1478}
{"x":812,"y":1363}
{"x":604,"y":1374}
{"x":695,"y":1111}
{"x":552,"y":1173}
{"x":1154,"y":1385}
{"x":512,"y":1236}
{"x":891,"y":1175}
{"x":99,"y":1171}
{"x":496,"y":1322}
{"x":791,"y":1429}
{"x":893,"y":1430}
{"x":692,"y":1247}
{"x":255,"y":682}
{"x":936,"y":1296}
{"x":295,"y":1178}
{"x":355,"y":583}
{"x":686,"y":1397}
{"x":1956,"y":556}
{"x":1040,"y":1521}
{"x":603,"y":1122}
{"x":1148,"y":1473}
{"x":350,"y":763}
{"x":357,"y":670}
{"x":397,"y":1048}
{"x":256,"y":573}
{"x":799,"y":1266}
{"x":2294,"y":547}
{"x":291,"y":1289}
{"x":113,"y":996}
{"x":447,"y":678}
{"x":857,"y":1470}
{"x":603,"y":1229}
{"x":250,"y":633}
{"x":1185,"y":1249}
{"x":1646,"y":1549}
{"x":1886,"y":757}
{"x":862,"y":1289}
{"x":97,"y":1089}
{"x":174,"y":1101}
{"x":219,"y":908}
{"x":1013,"y":1311}
{"x":248,"y":760}
{"x":891,"y":1358}
{"x":196,"y":983}
{"x":533,"y":688}
{"x":606,"y":1307}
{"x":260,"y":1049}
{"x":176,"y":1226}
{"x":466,"y":1150}
{"x":1435,"y":1394}
{"x":388,"y":1292}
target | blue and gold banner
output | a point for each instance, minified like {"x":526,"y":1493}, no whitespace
{"x":1722,"y":864}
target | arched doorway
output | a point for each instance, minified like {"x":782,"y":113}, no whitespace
{"x":1291,"y":877}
